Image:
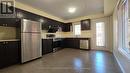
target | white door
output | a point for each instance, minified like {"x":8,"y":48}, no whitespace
{"x":101,"y":34}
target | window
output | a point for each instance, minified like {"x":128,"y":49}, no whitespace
{"x":123,"y":26}
{"x":100,"y":34}
{"x":77,"y":30}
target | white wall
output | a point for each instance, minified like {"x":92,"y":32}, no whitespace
{"x":122,"y":59}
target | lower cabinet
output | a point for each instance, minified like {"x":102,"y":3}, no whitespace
{"x":71,"y":43}
{"x":75,"y":43}
{"x":47,"y":46}
{"x":9,"y":53}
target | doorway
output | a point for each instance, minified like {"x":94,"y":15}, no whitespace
{"x":102,"y":32}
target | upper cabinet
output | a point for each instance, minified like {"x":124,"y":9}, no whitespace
{"x":86,"y":24}
{"x":66,"y":27}
{"x":50,"y":23}
{"x":9,"y":22}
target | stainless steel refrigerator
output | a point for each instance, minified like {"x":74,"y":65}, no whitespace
{"x":30,"y":40}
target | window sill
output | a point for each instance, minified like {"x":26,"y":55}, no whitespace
{"x":124,"y":53}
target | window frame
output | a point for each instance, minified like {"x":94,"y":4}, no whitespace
{"x":123,"y":26}
{"x":75,"y":31}
{"x":104,"y":35}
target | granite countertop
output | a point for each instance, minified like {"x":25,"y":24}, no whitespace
{"x":8,"y":40}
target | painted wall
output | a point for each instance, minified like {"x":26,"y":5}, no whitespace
{"x":84,"y":34}
{"x":123,"y":61}
{"x":7,"y":33}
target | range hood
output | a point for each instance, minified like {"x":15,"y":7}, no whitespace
{"x":52,"y":29}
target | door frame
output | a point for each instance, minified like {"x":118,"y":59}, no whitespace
{"x":107,"y":46}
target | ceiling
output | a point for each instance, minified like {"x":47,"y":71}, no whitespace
{"x":59,"y":8}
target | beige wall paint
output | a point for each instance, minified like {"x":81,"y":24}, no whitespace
{"x":84,"y":34}
{"x":109,"y":6}
{"x":7,"y":33}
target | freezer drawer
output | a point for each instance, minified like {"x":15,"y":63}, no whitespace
{"x":31,"y":46}
{"x":84,"y":44}
{"x":30,"y":26}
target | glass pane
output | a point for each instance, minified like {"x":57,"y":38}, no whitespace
{"x":100,"y":34}
{"x":77,"y":29}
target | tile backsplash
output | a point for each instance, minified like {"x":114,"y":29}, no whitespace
{"x":84,"y":34}
{"x":7,"y":33}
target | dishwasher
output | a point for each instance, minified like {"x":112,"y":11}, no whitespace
{"x":84,"y":44}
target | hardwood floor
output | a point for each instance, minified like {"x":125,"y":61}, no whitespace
{"x":69,"y":61}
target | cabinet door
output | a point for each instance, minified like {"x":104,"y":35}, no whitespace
{"x":13,"y":52}
{"x":43,"y":47}
{"x":47,"y":46}
{"x":76,"y":43}
{"x":8,"y":22}
{"x":69,"y":43}
{"x":2,"y":55}
{"x":66,"y":27}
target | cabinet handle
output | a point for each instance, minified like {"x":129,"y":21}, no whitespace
{"x":6,"y":42}
{"x":3,"y":24}
{"x":3,"y":42}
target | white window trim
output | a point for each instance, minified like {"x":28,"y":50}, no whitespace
{"x":74,"y":30}
{"x":123,"y":48}
{"x":104,"y":35}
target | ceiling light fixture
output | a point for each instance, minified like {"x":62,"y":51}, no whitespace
{"x":71,"y":10}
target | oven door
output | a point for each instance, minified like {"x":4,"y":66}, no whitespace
{"x":56,"y":46}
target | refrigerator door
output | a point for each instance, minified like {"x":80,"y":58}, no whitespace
{"x":30,"y":26}
{"x":31,"y":46}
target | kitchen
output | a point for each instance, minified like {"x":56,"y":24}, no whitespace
{"x":33,"y":37}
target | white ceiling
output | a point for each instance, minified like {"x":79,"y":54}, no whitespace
{"x":59,"y":8}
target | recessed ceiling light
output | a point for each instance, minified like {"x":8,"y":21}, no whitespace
{"x":71,"y":10}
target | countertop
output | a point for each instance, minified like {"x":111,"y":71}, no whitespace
{"x":68,"y":38}
{"x":8,"y":40}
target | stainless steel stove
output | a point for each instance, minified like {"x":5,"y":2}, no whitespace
{"x":56,"y":41}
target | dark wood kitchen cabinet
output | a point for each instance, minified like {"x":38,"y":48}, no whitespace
{"x":75,"y":43}
{"x":2,"y":55}
{"x":9,"y":22}
{"x":66,"y":27}
{"x":71,"y":43}
{"x":86,"y":24}
{"x":47,"y":46}
{"x":47,"y":22}
{"x":9,"y":53}
{"x":50,"y":23}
